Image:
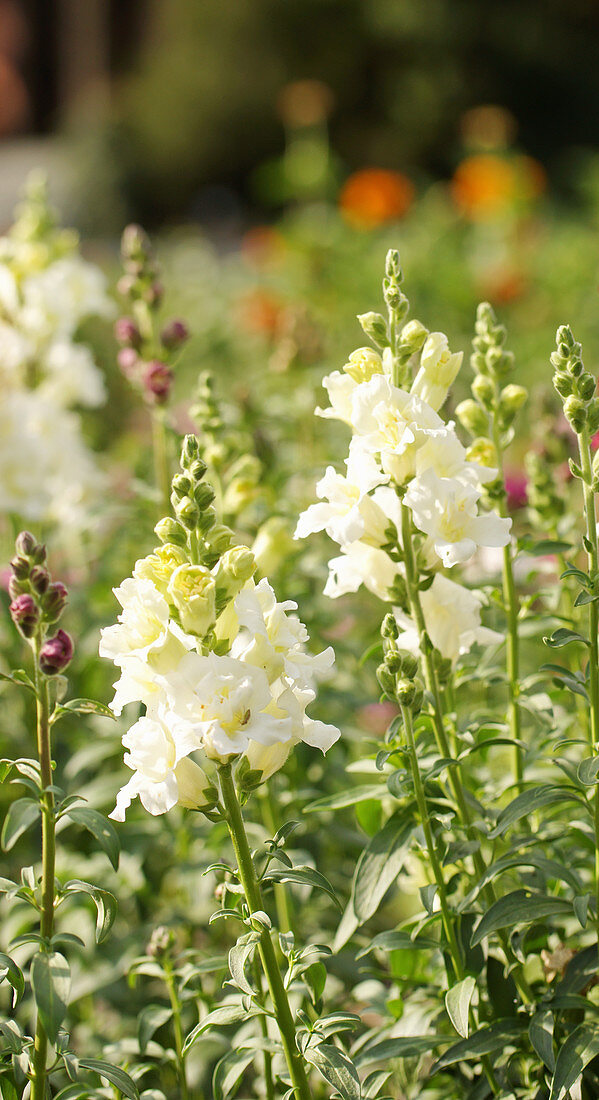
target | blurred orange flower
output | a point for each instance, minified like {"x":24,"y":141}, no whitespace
{"x":374,"y":196}
{"x":485,"y":186}
{"x":259,"y":311}
{"x":263,"y":246}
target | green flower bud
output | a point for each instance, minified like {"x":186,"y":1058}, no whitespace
{"x":206,"y":520}
{"x":414,"y":334}
{"x":375,"y":327}
{"x":563,"y":383}
{"x":405,"y":692}
{"x":587,"y":386}
{"x":190,"y":451}
{"x":409,"y":663}
{"x":593,"y":415}
{"x":187,"y":512}
{"x":576,"y":413}
{"x":203,"y":494}
{"x":393,"y":662}
{"x":219,"y":538}
{"x":168,"y":530}
{"x":513,"y":397}
{"x":386,"y":679}
{"x":484,"y":390}
{"x":393,"y":265}
{"x":389,"y":627}
{"x":472,"y":417}
{"x":181,"y":486}
{"x":235,"y":568}
{"x":482,"y":451}
{"x":197,"y":469}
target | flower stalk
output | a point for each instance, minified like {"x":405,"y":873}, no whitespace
{"x":253,"y":896}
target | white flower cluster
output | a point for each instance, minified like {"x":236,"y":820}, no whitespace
{"x":47,"y":473}
{"x":402,"y":450}
{"x":248,"y":699}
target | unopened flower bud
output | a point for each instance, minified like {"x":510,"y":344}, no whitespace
{"x":393,"y":265}
{"x":513,"y":397}
{"x":414,"y":334}
{"x":190,"y":450}
{"x":157,"y":380}
{"x":409,"y":663}
{"x":21,"y":568}
{"x":187,"y":512}
{"x":203,"y":494}
{"x":363,"y":364}
{"x":24,"y":613}
{"x":375,"y":327}
{"x":126,"y":286}
{"x":26,"y":544}
{"x":197,"y":469}
{"x":237,"y":564}
{"x":135,"y":244}
{"x":54,"y":602}
{"x":389,"y":627}
{"x":174,"y":334}
{"x":153,"y":294}
{"x":587,"y":386}
{"x":207,"y":520}
{"x":484,"y":390}
{"x":472,"y":417}
{"x":563,"y":383}
{"x":127,"y":332}
{"x":161,"y":941}
{"x":56,"y":653}
{"x":181,"y":485}
{"x":193,"y":591}
{"x":220,"y":536}
{"x":386,"y":679}
{"x":405,"y":691}
{"x":168,"y":530}
{"x":128,"y":361}
{"x":16,"y":587}
{"x":575,"y":412}
{"x":39,"y":578}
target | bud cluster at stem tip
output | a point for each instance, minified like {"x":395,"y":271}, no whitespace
{"x":146,"y":352}
{"x":575,"y":385}
{"x":37,"y":603}
{"x":397,"y":675}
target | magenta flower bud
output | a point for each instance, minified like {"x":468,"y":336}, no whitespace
{"x":153,"y":294}
{"x":127,"y":332}
{"x":157,"y":381}
{"x":174,"y":334}
{"x":54,"y":602}
{"x":16,"y":587}
{"x":128,"y":361}
{"x":56,"y":653}
{"x":26,"y":544}
{"x":39,"y":579}
{"x":20,"y":567}
{"x":24,"y":613}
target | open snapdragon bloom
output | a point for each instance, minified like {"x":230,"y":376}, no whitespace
{"x":221,"y":667}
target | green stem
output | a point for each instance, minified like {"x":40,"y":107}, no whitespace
{"x":593,"y":560}
{"x":177,"y":1027}
{"x":253,"y":895}
{"x":162,"y":475}
{"x":40,"y":1046}
{"x":268,"y":1077}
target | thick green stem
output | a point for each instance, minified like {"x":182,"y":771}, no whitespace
{"x":177,"y":1027}
{"x":593,"y":560}
{"x":253,"y":895}
{"x":162,"y":474}
{"x":40,"y":1047}
{"x":268,"y":1077}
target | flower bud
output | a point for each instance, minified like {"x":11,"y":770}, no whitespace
{"x":472,"y":417}
{"x":363,"y":364}
{"x":187,"y":511}
{"x":482,"y":451}
{"x":563,"y":383}
{"x":203,"y":494}
{"x":512,"y":398}
{"x":405,"y":691}
{"x":168,"y":530}
{"x":128,"y":362}
{"x":576,"y":413}
{"x":26,"y":545}
{"x":267,"y":759}
{"x":220,"y":536}
{"x":197,"y":469}
{"x":389,"y":627}
{"x":126,"y":332}
{"x":587,"y":386}
{"x":54,"y":602}
{"x":24,"y":613}
{"x":135,"y":243}
{"x":56,"y":653}
{"x":174,"y":334}
{"x":386,"y":679}
{"x":39,"y":579}
{"x":238,"y":565}
{"x":161,"y":941}
{"x":193,"y":786}
{"x":375,"y":327}
{"x":157,"y":380}
{"x":414,"y":334}
{"x":16,"y":587}
{"x":393,"y":265}
{"x":193,"y":592}
{"x":484,"y":390}
{"x":190,"y":450}
{"x":181,"y":486}
{"x":409,"y":663}
{"x":126,"y":286}
{"x":206,"y":520}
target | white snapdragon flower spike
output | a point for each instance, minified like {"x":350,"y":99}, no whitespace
{"x":452,"y":616}
{"x":393,"y":424}
{"x":361,"y":564}
{"x":362,"y":365}
{"x":349,"y":513}
{"x":438,"y":370}
{"x":442,"y":452}
{"x":55,"y":300}
{"x":72,"y":377}
{"x":447,"y":511}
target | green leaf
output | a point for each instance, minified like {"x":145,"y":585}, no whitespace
{"x":105,"y":902}
{"x":315,"y":977}
{"x":544,"y":546}
{"x":588,"y":770}
{"x":20,"y":677}
{"x":403,"y":1046}
{"x":380,"y":864}
{"x":239,"y":955}
{"x":149,"y":1020}
{"x":101,"y":828}
{"x":540,"y":1033}
{"x":51,"y":982}
{"x":219,"y":1017}
{"x":562,"y":636}
{"x":116,"y":1076}
{"x":519,"y":907}
{"x":346,"y":798}
{"x":82,"y":706}
{"x":585,"y":597}
{"x":303,"y":876}
{"x":12,"y":1034}
{"x":7,"y":1089}
{"x":20,"y":816}
{"x":577,"y":1051}
{"x":337,"y":1069}
{"x":229,"y":1071}
{"x":457,"y":1003}
{"x":14,"y":976}
{"x":399,"y":941}
{"x":531,"y":801}
{"x":486,"y":1040}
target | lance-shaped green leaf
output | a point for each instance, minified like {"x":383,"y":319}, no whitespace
{"x":337,"y":1069}
{"x":149,"y":1020}
{"x":578,"y":1050}
{"x":302,"y":876}
{"x":519,"y":907}
{"x":486,"y":1040}
{"x":562,"y":636}
{"x":380,"y":864}
{"x":540,"y":1033}
{"x":114,"y":1074}
{"x":229,"y":1070}
{"x":529,"y":802}
{"x":100,"y":827}
{"x":14,"y":976}
{"x":82,"y":706}
{"x":20,"y":816}
{"x":457,"y":1003}
{"x":105,"y":903}
{"x":220,"y":1017}
{"x":239,"y":955}
{"x":349,"y":797}
{"x":51,"y":982}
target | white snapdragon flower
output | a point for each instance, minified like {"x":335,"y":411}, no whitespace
{"x":362,"y":365}
{"x":361,"y":564}
{"x":71,"y":376}
{"x":442,"y":452}
{"x":57,"y":299}
{"x":447,"y":511}
{"x":438,"y":370}
{"x":349,"y":513}
{"x":163,"y":775}
{"x":452,"y":616}
{"x":15,"y":352}
{"x":393,"y":424}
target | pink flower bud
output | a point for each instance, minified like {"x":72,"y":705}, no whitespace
{"x":157,"y":380}
{"x":54,"y":601}
{"x":128,"y":361}
{"x":26,"y":544}
{"x":174,"y":334}
{"x":24,"y":613}
{"x":40,"y":579}
{"x":153,"y":294}
{"x":127,"y":332}
{"x":126,"y":285}
{"x":56,"y":653}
